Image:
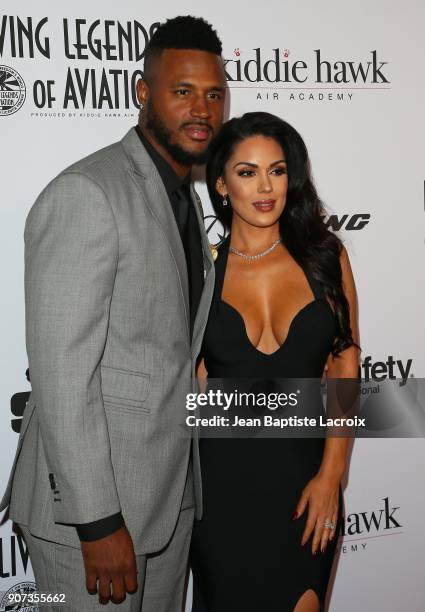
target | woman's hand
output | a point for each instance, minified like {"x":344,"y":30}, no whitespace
{"x":321,"y":494}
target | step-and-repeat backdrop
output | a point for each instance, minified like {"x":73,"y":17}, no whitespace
{"x":350,"y":77}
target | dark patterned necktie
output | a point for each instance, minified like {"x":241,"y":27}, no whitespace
{"x":187,"y":222}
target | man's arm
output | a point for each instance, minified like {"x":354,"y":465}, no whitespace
{"x":71,"y":256}
{"x":71,"y":252}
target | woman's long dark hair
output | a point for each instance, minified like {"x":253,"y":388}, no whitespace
{"x":304,"y":233}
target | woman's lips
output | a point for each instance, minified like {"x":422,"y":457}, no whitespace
{"x":264,"y":205}
{"x":197,"y":132}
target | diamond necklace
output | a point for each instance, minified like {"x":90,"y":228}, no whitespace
{"x":257,"y":255}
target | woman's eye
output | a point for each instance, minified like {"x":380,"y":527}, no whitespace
{"x":182,"y":92}
{"x":245,"y":173}
{"x":279,"y":171}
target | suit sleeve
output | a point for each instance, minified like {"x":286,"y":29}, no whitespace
{"x":99,"y":529}
{"x":71,"y":255}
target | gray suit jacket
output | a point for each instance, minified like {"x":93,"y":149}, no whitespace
{"x":107,"y":328}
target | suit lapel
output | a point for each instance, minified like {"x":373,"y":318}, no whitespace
{"x":153,"y":193}
{"x":205,"y":302}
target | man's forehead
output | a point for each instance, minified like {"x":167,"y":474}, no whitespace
{"x":187,"y":64}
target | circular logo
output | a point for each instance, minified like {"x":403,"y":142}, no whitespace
{"x":16,"y":598}
{"x":12,"y":91}
{"x":214,"y":228}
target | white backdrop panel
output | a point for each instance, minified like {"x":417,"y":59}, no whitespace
{"x":366,"y":141}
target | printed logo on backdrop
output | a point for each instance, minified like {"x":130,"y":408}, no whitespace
{"x":390,"y":368}
{"x":358,"y":221}
{"x":96,"y":80}
{"x":103,"y":60}
{"x":18,"y":403}
{"x":14,"y":561}
{"x":336,"y":223}
{"x":12,"y":91}
{"x":215,"y":229}
{"x":359,"y":528}
{"x":315,"y":77}
{"x":16,"y":598}
{"x":392,"y":398}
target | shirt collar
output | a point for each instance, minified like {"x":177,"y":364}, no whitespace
{"x":171,"y":180}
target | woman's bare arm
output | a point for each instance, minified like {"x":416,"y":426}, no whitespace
{"x":345,"y":365}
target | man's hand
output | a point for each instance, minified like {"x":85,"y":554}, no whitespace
{"x":110,"y":560}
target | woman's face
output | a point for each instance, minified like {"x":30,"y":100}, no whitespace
{"x":256,"y":181}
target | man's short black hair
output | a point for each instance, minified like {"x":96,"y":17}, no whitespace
{"x":183,"y":32}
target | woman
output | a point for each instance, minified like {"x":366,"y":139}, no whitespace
{"x":284,"y":306}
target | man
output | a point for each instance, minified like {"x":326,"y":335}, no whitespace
{"x":116,"y":305}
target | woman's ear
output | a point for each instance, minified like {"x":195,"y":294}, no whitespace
{"x":221,"y":186}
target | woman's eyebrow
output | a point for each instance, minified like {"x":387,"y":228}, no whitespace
{"x":246,"y":164}
{"x":279,"y":161}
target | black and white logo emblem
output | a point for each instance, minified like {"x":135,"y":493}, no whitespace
{"x":18,"y":597}
{"x":214,"y":228}
{"x":12,"y":91}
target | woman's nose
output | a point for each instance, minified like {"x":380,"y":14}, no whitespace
{"x":265,"y":184}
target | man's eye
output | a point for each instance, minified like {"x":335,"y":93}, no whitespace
{"x":214,"y":95}
{"x":182,"y":92}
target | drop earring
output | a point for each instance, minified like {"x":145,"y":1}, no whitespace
{"x":225,"y":200}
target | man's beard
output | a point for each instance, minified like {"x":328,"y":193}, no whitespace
{"x":164,"y":138}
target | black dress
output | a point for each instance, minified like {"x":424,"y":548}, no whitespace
{"x":246,"y":554}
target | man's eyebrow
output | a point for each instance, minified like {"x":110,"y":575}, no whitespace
{"x":182,"y":84}
{"x":188,"y":84}
{"x":279,"y":161}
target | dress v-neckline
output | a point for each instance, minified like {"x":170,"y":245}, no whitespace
{"x":290,"y":329}
{"x":225,"y":255}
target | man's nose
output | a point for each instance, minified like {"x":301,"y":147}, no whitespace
{"x":200,"y":108}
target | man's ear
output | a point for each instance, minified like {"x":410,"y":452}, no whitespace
{"x":142,"y":89}
{"x":221,"y":187}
